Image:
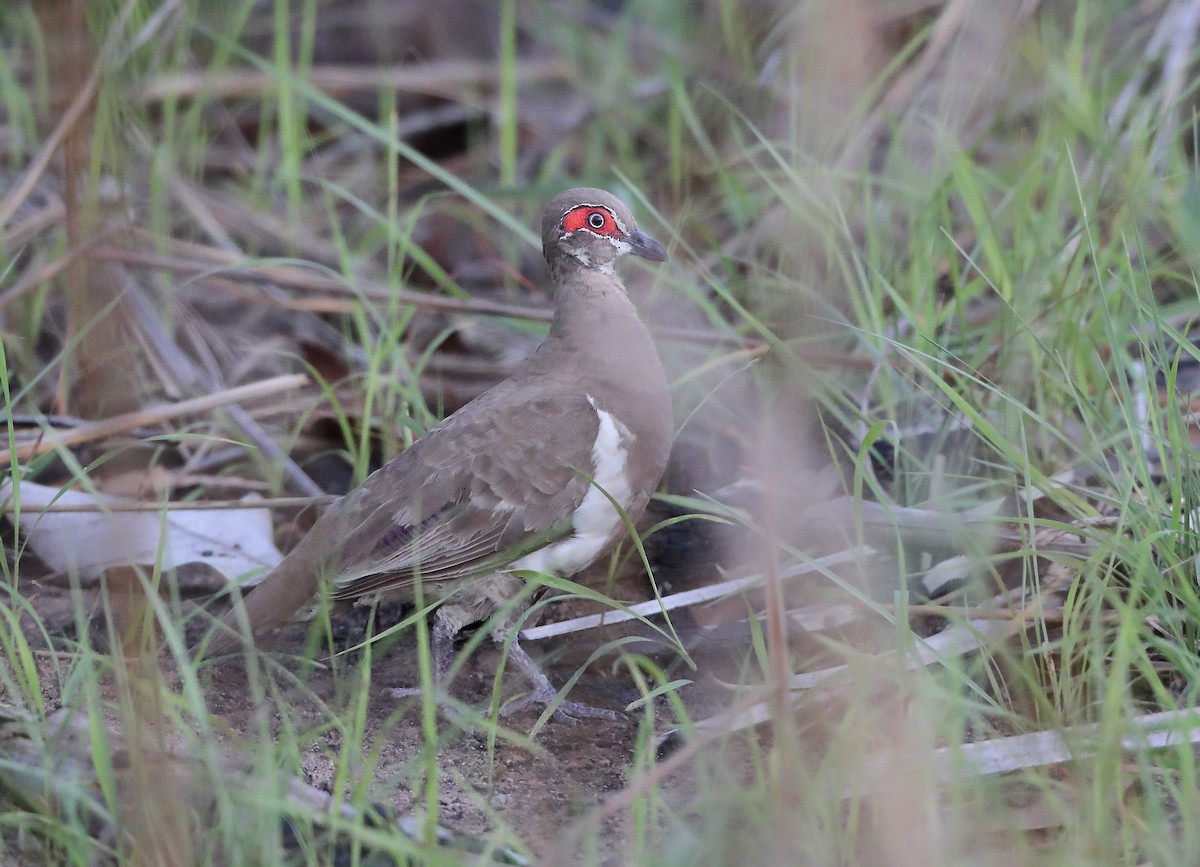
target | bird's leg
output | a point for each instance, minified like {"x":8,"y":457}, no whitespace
{"x":441,"y":644}
{"x":495,"y":594}
{"x":447,"y":623}
{"x":544,"y":692}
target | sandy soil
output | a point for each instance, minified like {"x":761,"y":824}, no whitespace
{"x":537,"y":791}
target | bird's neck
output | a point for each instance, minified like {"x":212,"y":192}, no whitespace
{"x":597,"y":327}
{"x":590,"y":304}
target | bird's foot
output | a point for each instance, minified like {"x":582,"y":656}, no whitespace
{"x":565,"y":711}
{"x":448,"y":708}
{"x":446,"y":624}
{"x":545,"y":694}
{"x":402,"y":692}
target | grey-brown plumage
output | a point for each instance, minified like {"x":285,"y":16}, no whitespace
{"x":511,"y":480}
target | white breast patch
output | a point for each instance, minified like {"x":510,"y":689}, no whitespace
{"x":595,"y":520}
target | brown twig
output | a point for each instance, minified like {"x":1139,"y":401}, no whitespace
{"x":199,"y":260}
{"x":79,"y":105}
{"x":196,"y":506}
{"x":300,"y":278}
{"x":1050,"y":618}
{"x":52,"y":269}
{"x":51,"y":215}
{"x":151,"y":415}
{"x":445,"y":79}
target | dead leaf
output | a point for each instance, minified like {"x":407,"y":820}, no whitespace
{"x":235,"y":542}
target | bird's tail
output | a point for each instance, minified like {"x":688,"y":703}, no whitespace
{"x":269,"y":605}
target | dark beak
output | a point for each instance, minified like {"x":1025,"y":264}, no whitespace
{"x":645,"y":246}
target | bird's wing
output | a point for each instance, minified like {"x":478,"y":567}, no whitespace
{"x":469,"y":497}
{"x":463,"y":501}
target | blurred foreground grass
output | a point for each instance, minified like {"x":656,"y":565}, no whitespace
{"x":940,"y":259}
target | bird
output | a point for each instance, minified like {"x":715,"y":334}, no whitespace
{"x":540,"y":472}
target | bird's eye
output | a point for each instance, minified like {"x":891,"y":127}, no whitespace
{"x":593,"y":218}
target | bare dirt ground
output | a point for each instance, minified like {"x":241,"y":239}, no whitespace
{"x":537,"y":790}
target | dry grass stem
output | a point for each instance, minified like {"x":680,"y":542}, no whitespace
{"x":126,"y":422}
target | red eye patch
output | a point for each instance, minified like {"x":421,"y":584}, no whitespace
{"x":592,"y":218}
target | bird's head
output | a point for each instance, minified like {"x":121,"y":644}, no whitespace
{"x":592,"y":229}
